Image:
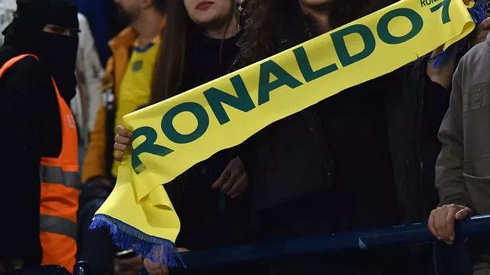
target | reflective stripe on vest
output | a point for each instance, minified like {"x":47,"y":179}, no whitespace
{"x":59,"y":184}
{"x":54,"y":174}
{"x":58,"y":225}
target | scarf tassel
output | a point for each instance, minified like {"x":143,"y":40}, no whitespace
{"x":127,"y":237}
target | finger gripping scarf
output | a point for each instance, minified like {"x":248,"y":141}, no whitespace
{"x":172,"y":136}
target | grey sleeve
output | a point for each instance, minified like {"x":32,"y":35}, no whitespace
{"x":449,"y":167}
{"x":90,"y":73}
{"x":93,"y":76}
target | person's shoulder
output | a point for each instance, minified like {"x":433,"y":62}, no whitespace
{"x":474,"y":65}
{"x":25,"y":64}
{"x":479,"y":54}
{"x":26,"y":72}
{"x":82,"y":20}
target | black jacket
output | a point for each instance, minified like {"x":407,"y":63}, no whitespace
{"x":415,"y":113}
{"x":363,"y":158}
{"x":372,"y":147}
{"x":28,"y":115}
{"x":208,"y":217}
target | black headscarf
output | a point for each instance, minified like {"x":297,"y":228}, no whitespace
{"x":25,"y":34}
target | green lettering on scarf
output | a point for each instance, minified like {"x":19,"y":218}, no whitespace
{"x":343,"y":53}
{"x":267,"y":69}
{"x":202,"y":122}
{"x":242,"y":101}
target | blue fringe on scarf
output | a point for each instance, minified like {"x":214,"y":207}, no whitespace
{"x":127,"y":237}
{"x":478,"y":14}
{"x":478,"y":11}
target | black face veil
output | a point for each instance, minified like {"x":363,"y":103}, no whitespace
{"x":57,"y":52}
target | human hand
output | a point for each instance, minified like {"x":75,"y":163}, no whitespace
{"x":233,"y":180}
{"x":130,"y":266}
{"x":155,"y":268}
{"x":122,"y":142}
{"x":158,"y":269}
{"x":442,"y":74}
{"x":442,"y":220}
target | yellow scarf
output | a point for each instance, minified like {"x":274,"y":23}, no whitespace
{"x":172,"y":136}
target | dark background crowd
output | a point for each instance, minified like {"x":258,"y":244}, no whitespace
{"x":410,"y":146}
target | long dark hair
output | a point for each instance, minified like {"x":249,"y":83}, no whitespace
{"x":271,"y":21}
{"x":169,"y":68}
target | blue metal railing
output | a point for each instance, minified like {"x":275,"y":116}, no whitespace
{"x":283,"y":249}
{"x":363,"y":240}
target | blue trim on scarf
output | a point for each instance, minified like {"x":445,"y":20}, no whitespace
{"x":126,"y":237}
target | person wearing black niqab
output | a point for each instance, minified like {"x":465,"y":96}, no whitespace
{"x":58,"y":52}
{"x":28,"y":114}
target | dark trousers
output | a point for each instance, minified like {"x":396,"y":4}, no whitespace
{"x":463,"y":257}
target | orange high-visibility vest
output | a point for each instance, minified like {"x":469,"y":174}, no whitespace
{"x":60,"y":182}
